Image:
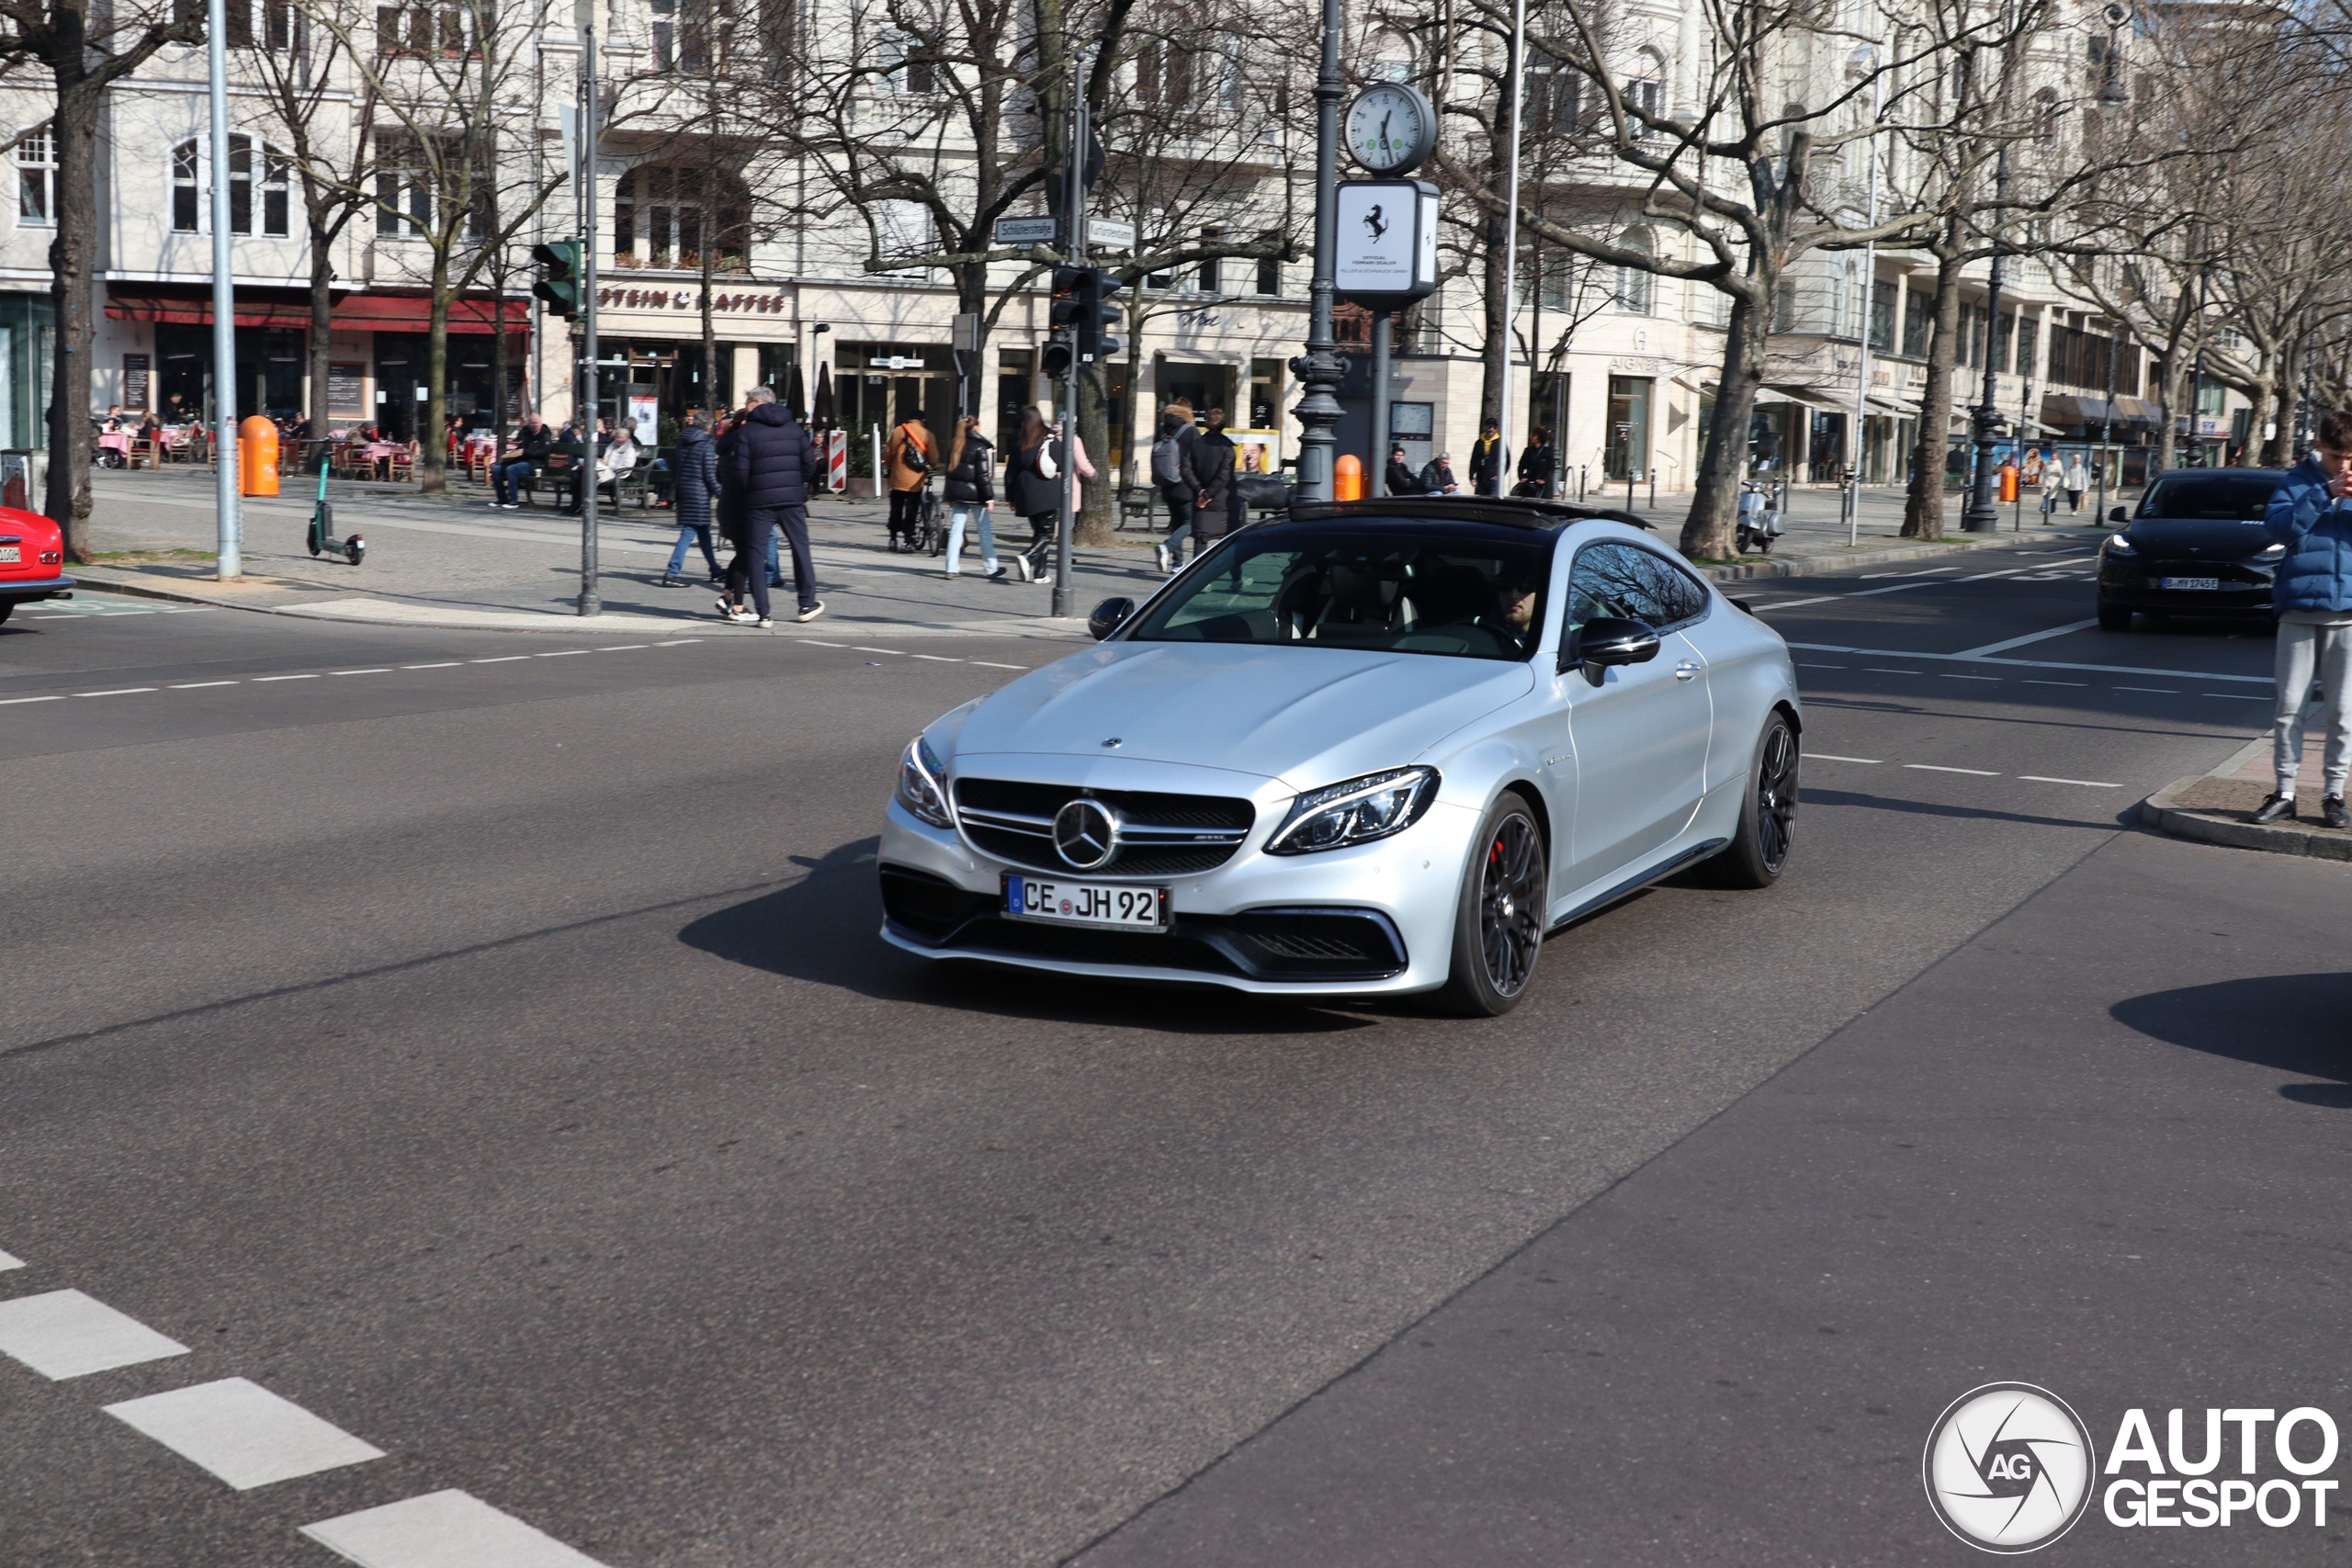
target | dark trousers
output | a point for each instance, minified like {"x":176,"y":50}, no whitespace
{"x":748,"y":567}
{"x":1043,"y":529}
{"x":508,"y":477}
{"x":906,"y":510}
{"x":760,"y":521}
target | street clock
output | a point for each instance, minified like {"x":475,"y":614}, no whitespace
{"x":1390,"y":129}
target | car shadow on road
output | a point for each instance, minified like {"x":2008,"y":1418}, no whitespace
{"x":2292,"y":1023}
{"x":824,"y":929}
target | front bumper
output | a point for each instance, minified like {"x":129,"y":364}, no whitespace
{"x":1372,"y":920}
{"x":41,"y":588}
{"x":2136,"y":585}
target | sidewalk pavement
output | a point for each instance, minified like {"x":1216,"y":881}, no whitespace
{"x":456,"y":561}
{"x":2213,"y":808}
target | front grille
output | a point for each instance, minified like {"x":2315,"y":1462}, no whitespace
{"x":1160,"y":835}
{"x":2231,"y":575}
{"x":1265,"y":944}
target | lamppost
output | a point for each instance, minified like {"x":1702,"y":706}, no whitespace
{"x":228,"y":537}
{"x":1982,"y":516}
{"x":591,"y":601}
{"x":1865,"y":58}
{"x":1320,"y":367}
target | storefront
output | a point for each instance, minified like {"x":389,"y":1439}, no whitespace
{"x":1626,"y":452}
{"x":879,"y":386}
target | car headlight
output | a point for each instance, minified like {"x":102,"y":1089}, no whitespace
{"x":1355,"y":812}
{"x":2119,"y":544}
{"x":920,"y":790}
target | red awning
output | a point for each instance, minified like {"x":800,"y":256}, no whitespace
{"x":353,"y":312}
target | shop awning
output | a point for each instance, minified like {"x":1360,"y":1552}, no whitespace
{"x":287,"y":310}
{"x":1811,"y":397}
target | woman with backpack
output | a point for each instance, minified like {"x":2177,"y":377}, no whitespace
{"x":908,"y":455}
{"x":1171,"y":471}
{"x":1033,"y":487}
{"x":970,"y":497}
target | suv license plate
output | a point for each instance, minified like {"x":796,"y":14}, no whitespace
{"x":1086,"y":903}
{"x":2208,"y":584}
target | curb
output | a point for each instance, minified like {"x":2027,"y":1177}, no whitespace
{"x":1815,"y":566}
{"x":2163,"y":811}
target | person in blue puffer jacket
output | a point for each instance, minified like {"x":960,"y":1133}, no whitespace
{"x":2310,"y":515}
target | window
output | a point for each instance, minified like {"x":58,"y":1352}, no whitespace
{"x":662,"y":216}
{"x":1211,"y":269}
{"x":1635,"y":285}
{"x":911,"y":64}
{"x":1918,"y":319}
{"x":254,"y":171}
{"x":403,"y":190}
{"x":36,"y":179}
{"x":186,"y":201}
{"x":1392,"y":59}
{"x":1554,"y":99}
{"x":1882,"y":318}
{"x":1270,"y":271}
{"x":1647,"y":92}
{"x":2045,"y":116}
{"x":1628,"y":582}
{"x":420,"y":29}
{"x":1164,"y":65}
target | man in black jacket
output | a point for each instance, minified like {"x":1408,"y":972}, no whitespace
{"x":525,"y":455}
{"x":1213,"y":456}
{"x":1486,"y":460}
{"x":1400,"y":478}
{"x":766,"y":464}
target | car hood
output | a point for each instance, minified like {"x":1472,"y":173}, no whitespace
{"x":2206,"y":538}
{"x":1301,"y":715}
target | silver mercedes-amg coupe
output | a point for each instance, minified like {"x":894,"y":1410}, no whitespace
{"x":1375,"y":747}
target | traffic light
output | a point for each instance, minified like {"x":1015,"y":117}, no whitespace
{"x":559,"y":282}
{"x":1096,"y":312}
{"x":1062,"y":316}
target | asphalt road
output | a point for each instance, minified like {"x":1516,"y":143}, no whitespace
{"x":485,"y":1045}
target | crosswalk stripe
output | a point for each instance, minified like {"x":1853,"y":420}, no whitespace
{"x":242,"y":1433}
{"x":443,"y":1530}
{"x":64,"y":1334}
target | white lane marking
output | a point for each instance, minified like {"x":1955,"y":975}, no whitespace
{"x":2234,"y":696}
{"x":64,"y":1334}
{"x":118,"y":691}
{"x":443,"y":1530}
{"x":378,"y":670}
{"x":1875,"y":670}
{"x":242,"y":1433}
{"x":2086,"y":784}
{"x":677,"y":642}
{"x":199,"y":685}
{"x":935,"y":658}
{"x":1934,"y":768}
{"x":2160,"y":691}
{"x":2030,"y":681}
{"x":564,"y":654}
{"x":625,"y":647}
{"x":502,"y":659}
{"x":2029,"y":663}
{"x":1931,"y":571}
{"x":1830,"y":757}
{"x":814,"y":643}
{"x":9,"y":1261}
{"x":1994,"y":678}
{"x":991,"y":664}
{"x":2066,"y":630}
{"x":11,"y":702}
{"x":894,"y":652}
{"x":449,"y":664}
{"x":261,"y":678}
{"x":1792,"y":603}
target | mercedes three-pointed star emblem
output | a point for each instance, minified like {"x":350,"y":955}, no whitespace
{"x":1086,"y":834}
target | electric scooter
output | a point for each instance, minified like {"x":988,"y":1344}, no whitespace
{"x":322,"y":538}
{"x":1760,"y":521}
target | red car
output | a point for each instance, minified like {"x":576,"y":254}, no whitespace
{"x":32,"y":561}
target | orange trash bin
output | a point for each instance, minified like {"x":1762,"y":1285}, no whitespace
{"x":2009,"y":482}
{"x":257,"y":457}
{"x":1347,"y":478}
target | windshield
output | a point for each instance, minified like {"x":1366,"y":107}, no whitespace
{"x":1464,"y":594}
{"x":2239,"y":497}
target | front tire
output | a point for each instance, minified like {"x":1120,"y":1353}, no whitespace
{"x":1498,"y":916}
{"x":2113,"y":618}
{"x":1767,"y":814}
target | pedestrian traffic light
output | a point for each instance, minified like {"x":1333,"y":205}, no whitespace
{"x":559,"y":282}
{"x":1096,"y":312}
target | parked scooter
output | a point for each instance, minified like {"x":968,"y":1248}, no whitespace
{"x":1761,"y":522}
{"x":322,"y":540}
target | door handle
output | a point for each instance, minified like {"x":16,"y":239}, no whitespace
{"x":1684,"y":671}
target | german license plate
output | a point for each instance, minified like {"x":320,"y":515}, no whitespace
{"x":1086,"y":903}
{"x":2206,"y":584}
{"x":10,"y":553}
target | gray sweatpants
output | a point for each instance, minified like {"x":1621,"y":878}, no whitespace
{"x":2305,"y":648}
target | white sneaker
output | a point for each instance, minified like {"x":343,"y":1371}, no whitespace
{"x":1021,"y":565}
{"x":812,"y":612}
{"x":1159,"y":558}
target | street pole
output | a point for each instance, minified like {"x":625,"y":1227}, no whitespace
{"x":1376,"y":478}
{"x":1074,"y":214}
{"x":1320,"y":367}
{"x":589,"y":604}
{"x":1518,"y":80}
{"x":229,"y":563}
{"x":1982,"y":514}
{"x":1870,"y":284}
{"x":2025,"y":416}
{"x":2107,"y":420}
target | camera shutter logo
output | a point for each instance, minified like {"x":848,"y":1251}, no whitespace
{"x":2009,"y":1467}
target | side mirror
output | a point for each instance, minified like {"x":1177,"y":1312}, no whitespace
{"x":2120,"y":514}
{"x":1606,"y":640}
{"x":1109,"y":616}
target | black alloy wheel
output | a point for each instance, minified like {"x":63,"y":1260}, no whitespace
{"x":1498,"y":924}
{"x":1767,"y":814}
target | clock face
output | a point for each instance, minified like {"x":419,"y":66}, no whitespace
{"x":1389,"y":128}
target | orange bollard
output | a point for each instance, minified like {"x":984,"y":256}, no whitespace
{"x":1347,"y":478}
{"x":2009,"y":482}
{"x":257,"y":457}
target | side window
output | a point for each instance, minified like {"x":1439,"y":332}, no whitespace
{"x":1678,"y":598}
{"x":1611,"y":580}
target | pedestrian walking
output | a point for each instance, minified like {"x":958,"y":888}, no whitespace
{"x":1486,"y":460}
{"x":1033,"y":488}
{"x":1436,"y":475}
{"x":2052,"y":476}
{"x":2078,"y":480}
{"x":1171,"y":471}
{"x":1535,"y":465}
{"x":1400,"y":477}
{"x":908,"y":454}
{"x":766,"y":464}
{"x":971,"y":496}
{"x":2312,"y":592}
{"x":694,"y":481}
{"x":1215,"y":509}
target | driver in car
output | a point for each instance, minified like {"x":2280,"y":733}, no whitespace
{"x":1514,"y":619}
